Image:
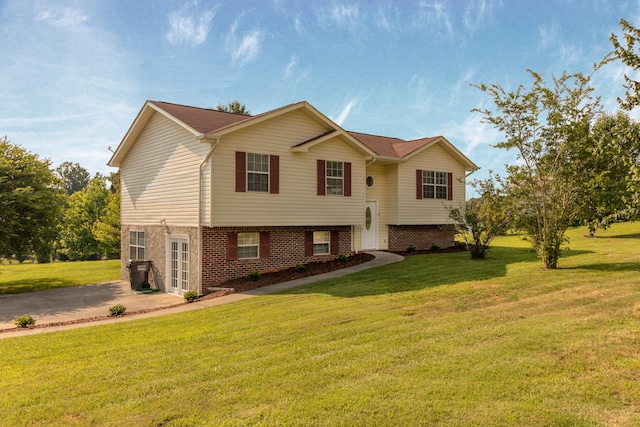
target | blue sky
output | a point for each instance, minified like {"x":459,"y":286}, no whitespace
{"x":75,"y":73}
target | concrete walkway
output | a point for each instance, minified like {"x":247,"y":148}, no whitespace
{"x":91,"y":301}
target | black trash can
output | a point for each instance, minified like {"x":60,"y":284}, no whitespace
{"x":139,"y":274}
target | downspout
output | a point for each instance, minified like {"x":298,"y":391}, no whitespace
{"x":200,"y":176}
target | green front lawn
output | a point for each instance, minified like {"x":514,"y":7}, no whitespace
{"x":20,"y":278}
{"x":434,"y":340}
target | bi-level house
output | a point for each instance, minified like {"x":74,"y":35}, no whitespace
{"x":209,"y":196}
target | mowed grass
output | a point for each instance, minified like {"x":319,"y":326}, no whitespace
{"x":433,"y":340}
{"x":28,"y":277}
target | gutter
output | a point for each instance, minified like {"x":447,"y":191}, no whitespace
{"x":202,"y":137}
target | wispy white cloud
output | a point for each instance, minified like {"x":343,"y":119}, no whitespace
{"x":288,"y":71}
{"x":347,"y":17}
{"x":245,"y":49}
{"x":344,"y":113}
{"x":548,"y":36}
{"x":475,"y":14}
{"x":67,"y":18}
{"x":297,"y":24}
{"x":436,"y":16}
{"x":419,"y":98}
{"x":189,"y":24}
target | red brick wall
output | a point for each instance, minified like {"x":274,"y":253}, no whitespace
{"x":287,"y":248}
{"x":420,"y":236}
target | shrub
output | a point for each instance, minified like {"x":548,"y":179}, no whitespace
{"x":411,"y":249}
{"x":190,"y":296}
{"x":25,"y":321}
{"x":117,"y":310}
{"x":254,"y":275}
{"x":299,"y":268}
{"x":342,"y":258}
{"x":435,"y":247}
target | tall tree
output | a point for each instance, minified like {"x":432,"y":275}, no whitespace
{"x":611,"y":171}
{"x":107,"y":229}
{"x":85,"y":208}
{"x":234,"y":107}
{"x":73,"y":176}
{"x":30,"y":202}
{"x":549,"y":128}
{"x":628,"y":53}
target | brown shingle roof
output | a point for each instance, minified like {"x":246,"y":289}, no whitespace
{"x":203,"y":120}
{"x":391,"y":147}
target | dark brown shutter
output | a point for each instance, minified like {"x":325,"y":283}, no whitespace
{"x":335,"y":242}
{"x":347,"y":179}
{"x":274,"y":174}
{"x":232,"y":246}
{"x":418,"y":184}
{"x":322,"y":173}
{"x":241,"y":171}
{"x":265,"y":244}
{"x":308,"y":243}
{"x":449,"y":186}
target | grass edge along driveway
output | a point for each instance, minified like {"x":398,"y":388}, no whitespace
{"x":433,"y":340}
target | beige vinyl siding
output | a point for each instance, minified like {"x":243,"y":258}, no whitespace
{"x":378,"y":193}
{"x":428,"y":211}
{"x":297,"y":202}
{"x":160,"y":176}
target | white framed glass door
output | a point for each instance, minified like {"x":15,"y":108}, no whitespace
{"x":177,"y":264}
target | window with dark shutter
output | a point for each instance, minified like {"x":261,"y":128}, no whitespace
{"x":449,"y":186}
{"x":274,"y":177}
{"x":335,"y":242}
{"x":265,"y":244}
{"x":322,"y":185}
{"x":232,"y":246}
{"x":241,"y":171}
{"x":308,"y":243}
{"x":347,"y":179}
{"x":419,"y":184}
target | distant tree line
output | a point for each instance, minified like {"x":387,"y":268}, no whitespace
{"x":61,"y":213}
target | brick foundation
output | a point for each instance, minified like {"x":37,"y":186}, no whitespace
{"x":287,"y":248}
{"x":423,"y":237}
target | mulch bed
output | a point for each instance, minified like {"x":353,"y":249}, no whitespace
{"x":243,"y":284}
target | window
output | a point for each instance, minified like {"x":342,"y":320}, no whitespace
{"x":321,"y":242}
{"x":258,"y":172}
{"x":434,"y":185}
{"x":248,"y":244}
{"x":369,"y":181}
{"x":335,"y":178}
{"x":136,"y":245}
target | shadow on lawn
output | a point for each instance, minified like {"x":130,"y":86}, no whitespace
{"x":30,"y":285}
{"x":426,"y":271}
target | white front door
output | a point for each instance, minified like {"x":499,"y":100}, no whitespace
{"x":178,"y":265}
{"x":370,"y":229}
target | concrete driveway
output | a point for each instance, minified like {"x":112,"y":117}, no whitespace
{"x":78,"y":302}
{"x":88,"y":302}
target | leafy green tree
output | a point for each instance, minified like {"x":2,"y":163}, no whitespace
{"x":85,"y":208}
{"x":610,"y":171}
{"x":628,"y":53}
{"x":234,"y":107}
{"x":107,"y":229}
{"x":482,"y":219}
{"x":30,"y":203}
{"x":549,"y":128}
{"x":73,"y":176}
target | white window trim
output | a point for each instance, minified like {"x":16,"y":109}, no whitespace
{"x":435,"y":185}
{"x":327,"y":177}
{"x":322,"y":242}
{"x":138,"y":247}
{"x":259,"y":172}
{"x":257,"y":245}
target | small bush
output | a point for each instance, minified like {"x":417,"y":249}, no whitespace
{"x":342,"y":258}
{"x":411,"y":249}
{"x":254,"y":276}
{"x":299,"y":268}
{"x":190,"y":296}
{"x":117,"y":310}
{"x":25,"y":321}
{"x":435,"y":247}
